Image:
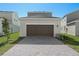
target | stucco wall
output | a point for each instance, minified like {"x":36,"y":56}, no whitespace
{"x":1,"y":31}
{"x":77,"y":28}
{"x":71,"y":29}
{"x":63,"y":24}
{"x":15,"y":22}
{"x":39,"y":21}
{"x":15,"y":19}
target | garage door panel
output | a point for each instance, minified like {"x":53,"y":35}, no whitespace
{"x":40,"y":30}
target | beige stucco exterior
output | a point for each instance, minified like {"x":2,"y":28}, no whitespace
{"x":39,"y":21}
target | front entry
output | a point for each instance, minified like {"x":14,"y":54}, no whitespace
{"x":40,"y":30}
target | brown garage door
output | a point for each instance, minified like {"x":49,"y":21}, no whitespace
{"x":39,"y":30}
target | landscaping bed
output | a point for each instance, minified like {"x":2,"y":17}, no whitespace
{"x":14,"y":38}
{"x":72,"y":41}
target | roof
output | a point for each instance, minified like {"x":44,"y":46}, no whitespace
{"x":31,"y":17}
{"x":72,"y":12}
{"x":39,"y":12}
{"x":7,"y":11}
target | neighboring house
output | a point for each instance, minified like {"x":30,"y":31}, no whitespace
{"x":40,"y":24}
{"x":12,"y":20}
{"x":72,"y":20}
{"x":1,"y":31}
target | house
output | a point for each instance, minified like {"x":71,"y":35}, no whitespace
{"x":12,"y":19}
{"x":72,"y":20}
{"x":1,"y":31}
{"x":40,"y":24}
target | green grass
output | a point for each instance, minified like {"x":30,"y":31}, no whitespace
{"x":13,"y":37}
{"x":6,"y":47}
{"x":70,"y":40}
{"x":75,"y":47}
{"x":3,"y":39}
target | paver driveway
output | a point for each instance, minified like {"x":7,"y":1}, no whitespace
{"x":41,"y":46}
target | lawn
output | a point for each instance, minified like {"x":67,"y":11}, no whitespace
{"x":13,"y":38}
{"x":3,"y":39}
{"x":70,"y":40}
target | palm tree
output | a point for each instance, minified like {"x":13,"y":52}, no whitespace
{"x":5,"y":26}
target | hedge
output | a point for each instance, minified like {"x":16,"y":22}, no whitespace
{"x":69,"y":38}
{"x":13,"y":38}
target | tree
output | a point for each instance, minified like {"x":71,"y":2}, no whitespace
{"x":5,"y":26}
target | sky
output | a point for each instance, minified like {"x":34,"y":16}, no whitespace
{"x":57,"y":9}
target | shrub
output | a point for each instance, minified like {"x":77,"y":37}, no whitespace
{"x":13,"y":37}
{"x":69,"y":38}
